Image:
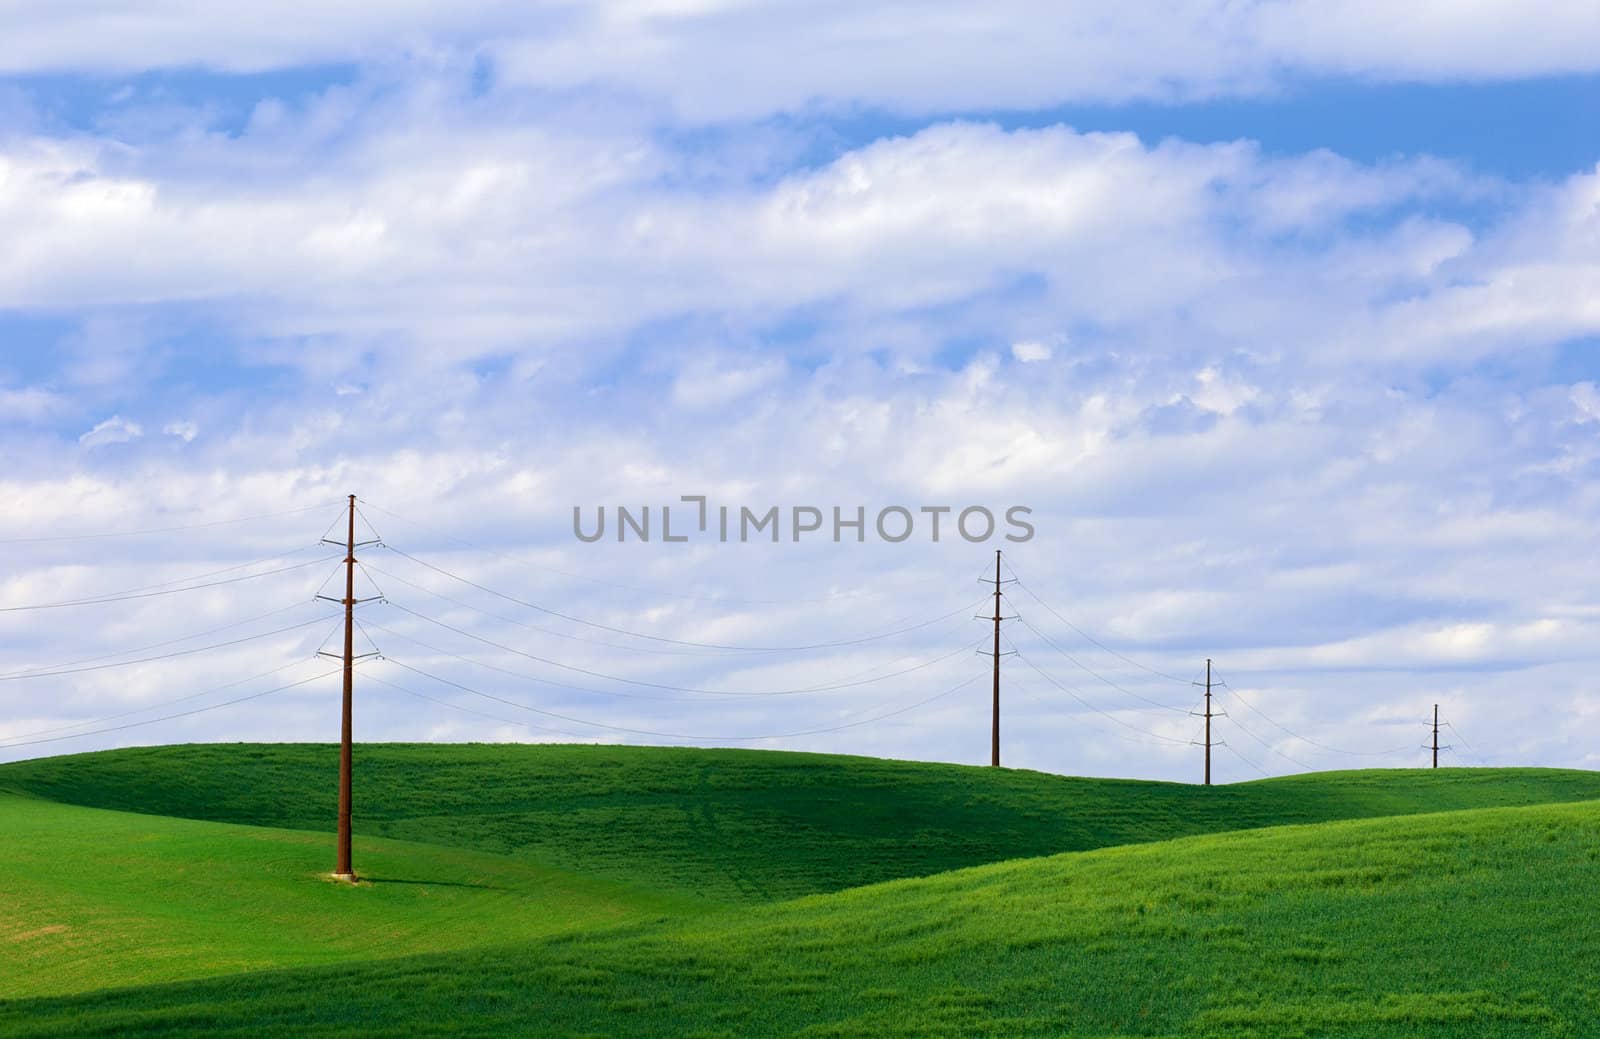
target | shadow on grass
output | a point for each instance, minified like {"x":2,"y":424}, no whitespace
{"x":380,"y":881}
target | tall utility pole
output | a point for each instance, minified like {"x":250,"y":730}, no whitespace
{"x":1435,"y":735}
{"x":1208,"y":721}
{"x":344,"y":871}
{"x":994,"y":733}
{"x":994,"y":745}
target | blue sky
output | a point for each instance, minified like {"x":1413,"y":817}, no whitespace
{"x":1280,"y":316}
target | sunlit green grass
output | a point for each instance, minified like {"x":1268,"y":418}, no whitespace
{"x":91,"y":899}
{"x":1466,"y":924}
{"x":734,"y":826}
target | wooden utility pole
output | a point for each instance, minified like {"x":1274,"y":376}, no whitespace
{"x":994,"y":730}
{"x":1208,"y":721}
{"x":1435,"y":735}
{"x":344,"y":870}
{"x":994,"y":744}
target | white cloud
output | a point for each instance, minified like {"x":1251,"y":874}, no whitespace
{"x":183,"y":430}
{"x":29,"y":404}
{"x":1216,"y":392}
{"x":708,"y":384}
{"x":793,"y":55}
{"x":1029,"y":351}
{"x":1023,"y":54}
{"x":582,"y":235}
{"x":114,"y":430}
{"x":1586,"y":401}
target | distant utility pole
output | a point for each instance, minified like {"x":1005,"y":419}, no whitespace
{"x":1208,"y":714}
{"x":994,"y":734}
{"x":994,"y":739}
{"x":1435,"y":735}
{"x":1208,"y":721}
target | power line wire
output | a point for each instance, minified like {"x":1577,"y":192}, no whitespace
{"x":164,"y":656}
{"x":126,"y":597}
{"x":1306,"y":739}
{"x":1122,"y":689}
{"x":733,"y":600}
{"x":679,"y":735}
{"x":837,"y":644}
{"x":1231,"y":750}
{"x":478,"y":662}
{"x":154,"y":645}
{"x":202,"y":576}
{"x":160,"y":530}
{"x":469,"y":710}
{"x":510,"y":672}
{"x":657,"y":685}
{"x":170,"y":717}
{"x":153,"y":706}
{"x":1074,"y":694}
{"x":214,"y":573}
{"x":1481,"y":759}
{"x":1270,"y":748}
{"x":1039,"y":698}
{"x":574,"y":637}
{"x":1084,"y":634}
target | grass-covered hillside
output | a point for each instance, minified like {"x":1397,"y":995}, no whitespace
{"x":1466,"y":924}
{"x":734,"y":826}
{"x":93,"y":899}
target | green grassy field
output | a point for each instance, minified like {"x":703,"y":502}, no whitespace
{"x":733,"y":825}
{"x":95,"y":899}
{"x":1475,"y":922}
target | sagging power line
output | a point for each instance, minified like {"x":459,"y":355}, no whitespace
{"x":188,"y":586}
{"x":614,"y":629}
{"x":44,"y":539}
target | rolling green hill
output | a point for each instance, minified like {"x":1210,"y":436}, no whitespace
{"x":91,"y":899}
{"x":734,"y":826}
{"x":1466,"y":924}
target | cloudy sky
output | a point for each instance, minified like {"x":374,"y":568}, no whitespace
{"x":1282,"y":317}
